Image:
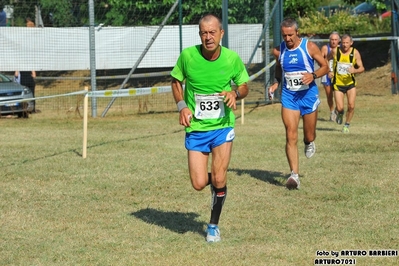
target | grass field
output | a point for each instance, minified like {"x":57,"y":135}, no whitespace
{"x":130,"y":201}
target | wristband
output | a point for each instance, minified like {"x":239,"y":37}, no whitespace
{"x":181,"y":105}
{"x":237,"y":94}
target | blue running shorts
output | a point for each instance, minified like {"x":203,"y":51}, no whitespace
{"x":325,"y":80}
{"x":305,"y":101}
{"x":205,"y":141}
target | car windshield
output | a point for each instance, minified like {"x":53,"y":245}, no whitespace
{"x":364,"y":7}
{"x":4,"y":78}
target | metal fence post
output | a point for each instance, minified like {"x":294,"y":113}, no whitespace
{"x":92,"y":48}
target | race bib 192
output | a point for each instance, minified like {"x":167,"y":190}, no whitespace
{"x":294,"y":81}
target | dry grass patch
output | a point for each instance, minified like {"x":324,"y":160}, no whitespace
{"x":130,"y":201}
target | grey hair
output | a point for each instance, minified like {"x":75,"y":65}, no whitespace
{"x":335,"y":33}
{"x":208,"y":17}
{"x":288,"y":23}
{"x":347,"y":36}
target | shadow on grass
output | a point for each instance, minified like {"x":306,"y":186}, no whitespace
{"x":174,"y":221}
{"x":323,"y":119}
{"x":274,"y":178}
{"x":328,"y":129}
{"x":322,"y":128}
{"x":78,"y":152}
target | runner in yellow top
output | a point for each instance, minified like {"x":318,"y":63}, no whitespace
{"x":347,"y":62}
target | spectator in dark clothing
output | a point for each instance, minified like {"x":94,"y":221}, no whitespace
{"x":3,"y":18}
{"x":27,"y":78}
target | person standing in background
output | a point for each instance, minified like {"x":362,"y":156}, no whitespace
{"x":29,"y":22}
{"x":3,"y":18}
{"x":334,"y":40}
{"x":27,"y":78}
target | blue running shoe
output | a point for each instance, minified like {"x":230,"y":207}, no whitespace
{"x":213,"y":233}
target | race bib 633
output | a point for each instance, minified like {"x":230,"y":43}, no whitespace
{"x":209,"y":106}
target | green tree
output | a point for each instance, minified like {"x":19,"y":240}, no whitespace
{"x":152,"y":12}
{"x":63,"y":13}
{"x":295,"y":8}
{"x":121,"y":12}
{"x":72,"y":13}
{"x":22,"y":10}
{"x":379,"y":4}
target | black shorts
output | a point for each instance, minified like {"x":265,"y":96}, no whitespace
{"x":344,"y":89}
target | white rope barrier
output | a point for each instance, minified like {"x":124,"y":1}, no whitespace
{"x":123,"y":92}
{"x":130,"y":92}
{"x":263,"y":70}
{"x":43,"y":97}
{"x":120,"y":93}
{"x":384,"y":38}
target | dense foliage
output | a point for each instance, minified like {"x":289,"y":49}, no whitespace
{"x":379,"y":4}
{"x":317,"y":23}
{"x":72,"y":13}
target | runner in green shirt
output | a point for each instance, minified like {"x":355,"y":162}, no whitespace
{"x":205,"y":106}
